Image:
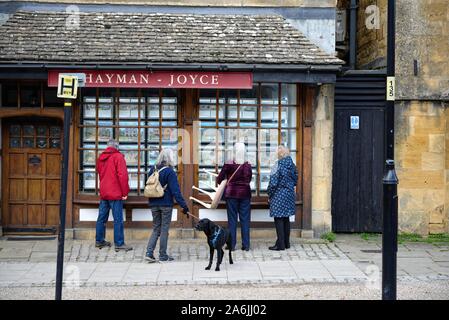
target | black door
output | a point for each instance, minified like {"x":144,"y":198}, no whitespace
{"x":359,"y":154}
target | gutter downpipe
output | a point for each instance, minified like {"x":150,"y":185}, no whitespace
{"x":353,"y":34}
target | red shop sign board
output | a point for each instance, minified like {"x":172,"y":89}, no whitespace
{"x":160,"y":79}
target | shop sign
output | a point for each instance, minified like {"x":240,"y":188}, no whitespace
{"x":355,"y":123}
{"x":160,"y":79}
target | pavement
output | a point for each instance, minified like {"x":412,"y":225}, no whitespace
{"x":349,"y":261}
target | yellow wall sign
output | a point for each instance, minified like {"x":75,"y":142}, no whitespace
{"x":67,"y":86}
{"x":391,"y":89}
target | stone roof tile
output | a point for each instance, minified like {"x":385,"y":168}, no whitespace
{"x":156,"y":38}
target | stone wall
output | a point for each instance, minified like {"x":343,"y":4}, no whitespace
{"x":421,"y":155}
{"x":422,"y":30}
{"x":235,"y":3}
{"x":446,"y":213}
{"x":322,"y":151}
{"x":371,"y":43}
{"x":422,"y":33}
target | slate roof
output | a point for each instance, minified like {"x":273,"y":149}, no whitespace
{"x":156,"y":38}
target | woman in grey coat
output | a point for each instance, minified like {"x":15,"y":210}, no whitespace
{"x":281,"y":196}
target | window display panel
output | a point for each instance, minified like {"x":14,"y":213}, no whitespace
{"x":131,"y":134}
{"x":205,"y":180}
{"x":89,"y":156}
{"x":89,"y":110}
{"x":208,"y":115}
{"x":152,"y":154}
{"x":229,"y":115}
{"x":87,"y":178}
{"x":105,"y":134}
{"x":132,"y":156}
{"x":248,"y":136}
{"x":269,"y":94}
{"x":288,"y":94}
{"x":269,"y":117}
{"x":264,"y":180}
{"x":169,"y":115}
{"x":288,"y":139}
{"x":267,"y":156}
{"x":248,"y":116}
{"x":153,"y":135}
{"x":130,"y":111}
{"x":153,"y":112}
{"x":207,"y":155}
{"x":248,"y":97}
{"x":288,"y":117}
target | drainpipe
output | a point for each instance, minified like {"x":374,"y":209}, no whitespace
{"x":353,"y":34}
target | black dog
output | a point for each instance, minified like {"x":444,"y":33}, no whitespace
{"x":216,"y":238}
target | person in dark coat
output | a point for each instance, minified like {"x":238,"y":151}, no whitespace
{"x":161,"y":208}
{"x":114,"y":189}
{"x":281,"y":196}
{"x":238,"y":195}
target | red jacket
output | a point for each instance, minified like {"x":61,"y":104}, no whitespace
{"x":111,"y":166}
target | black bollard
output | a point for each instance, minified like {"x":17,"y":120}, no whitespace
{"x":390,"y":232}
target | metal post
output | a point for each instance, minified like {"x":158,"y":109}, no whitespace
{"x":353,"y":34}
{"x":390,"y":180}
{"x":390,"y":232}
{"x":390,"y":73}
{"x":63,"y":205}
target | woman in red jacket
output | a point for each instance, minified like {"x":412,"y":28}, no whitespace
{"x":114,"y":189}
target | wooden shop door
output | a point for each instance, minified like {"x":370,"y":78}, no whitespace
{"x":31,"y":175}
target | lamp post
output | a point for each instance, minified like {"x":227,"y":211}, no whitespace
{"x":390,"y":180}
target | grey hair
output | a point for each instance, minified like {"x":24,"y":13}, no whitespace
{"x":283,"y":152}
{"x":166,"y":158}
{"x":113,"y":143}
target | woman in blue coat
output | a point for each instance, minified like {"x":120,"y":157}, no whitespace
{"x":281,"y":196}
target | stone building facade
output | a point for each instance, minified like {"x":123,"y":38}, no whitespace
{"x":314,"y":19}
{"x":422,"y":105}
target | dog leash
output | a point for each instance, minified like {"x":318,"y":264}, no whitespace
{"x":193,"y":216}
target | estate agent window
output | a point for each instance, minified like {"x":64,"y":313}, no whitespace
{"x":146,"y":120}
{"x":143,"y":121}
{"x":262,"y":118}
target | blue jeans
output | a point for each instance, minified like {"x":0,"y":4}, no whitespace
{"x":240,"y":208}
{"x":117,"y":214}
{"x":161,"y":224}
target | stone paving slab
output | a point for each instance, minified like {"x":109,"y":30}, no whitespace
{"x":182,"y":250}
{"x":130,"y":273}
{"x":15,"y":253}
{"x":28,"y":263}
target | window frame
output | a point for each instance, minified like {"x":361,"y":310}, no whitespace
{"x":144,"y":147}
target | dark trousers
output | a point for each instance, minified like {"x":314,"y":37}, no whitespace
{"x":241,"y":209}
{"x":282,"y":232}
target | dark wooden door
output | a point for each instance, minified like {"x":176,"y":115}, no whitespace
{"x":358,"y":170}
{"x":31,"y":174}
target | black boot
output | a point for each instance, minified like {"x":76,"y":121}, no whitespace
{"x":276,"y":248}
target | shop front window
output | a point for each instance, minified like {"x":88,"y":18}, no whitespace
{"x":263,"y":118}
{"x":143,"y":121}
